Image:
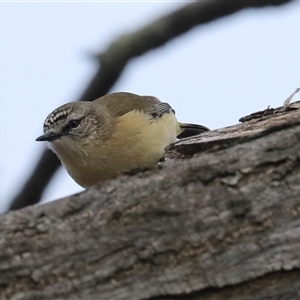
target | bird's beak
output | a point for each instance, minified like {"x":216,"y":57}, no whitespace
{"x":48,"y":137}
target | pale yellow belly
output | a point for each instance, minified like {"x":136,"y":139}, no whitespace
{"x":136,"y":143}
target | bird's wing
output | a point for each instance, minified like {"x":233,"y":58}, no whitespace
{"x":119,"y":104}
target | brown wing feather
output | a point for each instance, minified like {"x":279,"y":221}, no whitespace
{"x":119,"y":104}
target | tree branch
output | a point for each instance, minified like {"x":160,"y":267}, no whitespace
{"x":223,"y":224}
{"x":115,"y":58}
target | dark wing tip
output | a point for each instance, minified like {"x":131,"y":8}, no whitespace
{"x":191,"y":130}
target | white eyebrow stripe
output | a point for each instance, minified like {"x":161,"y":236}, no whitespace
{"x":54,"y":117}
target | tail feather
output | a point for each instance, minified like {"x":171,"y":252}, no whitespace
{"x":191,"y":130}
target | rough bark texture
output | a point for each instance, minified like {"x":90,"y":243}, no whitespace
{"x":223,"y":224}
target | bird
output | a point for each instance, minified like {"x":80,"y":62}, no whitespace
{"x":114,"y":134}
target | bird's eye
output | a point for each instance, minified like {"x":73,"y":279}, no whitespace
{"x":74,"y":123}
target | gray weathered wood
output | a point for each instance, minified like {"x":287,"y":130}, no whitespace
{"x":223,"y":224}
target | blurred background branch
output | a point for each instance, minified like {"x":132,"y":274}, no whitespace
{"x":113,"y":61}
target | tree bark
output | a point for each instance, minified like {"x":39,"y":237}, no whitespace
{"x":222,"y":224}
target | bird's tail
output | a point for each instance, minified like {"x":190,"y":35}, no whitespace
{"x":188,"y":130}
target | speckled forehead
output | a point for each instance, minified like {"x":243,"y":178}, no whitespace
{"x":57,"y":115}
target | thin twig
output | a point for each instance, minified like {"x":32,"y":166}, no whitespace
{"x":289,"y":99}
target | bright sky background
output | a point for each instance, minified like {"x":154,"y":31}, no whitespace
{"x":212,"y":75}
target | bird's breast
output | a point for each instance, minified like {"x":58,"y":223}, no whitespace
{"x":137,"y":142}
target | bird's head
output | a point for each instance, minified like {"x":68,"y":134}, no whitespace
{"x":74,"y":126}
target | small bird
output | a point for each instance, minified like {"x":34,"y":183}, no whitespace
{"x":114,"y":134}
